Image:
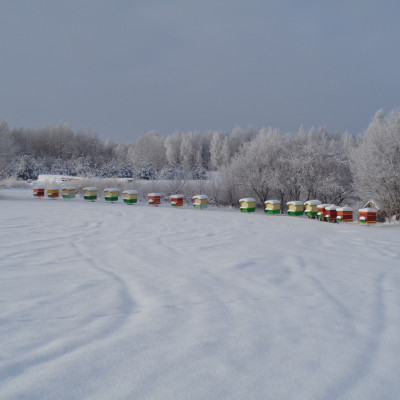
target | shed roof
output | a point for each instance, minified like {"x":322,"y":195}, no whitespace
{"x":372,"y":203}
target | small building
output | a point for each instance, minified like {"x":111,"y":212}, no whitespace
{"x":295,"y":208}
{"x":331,"y":213}
{"x":68,"y":192}
{"x":247,"y":204}
{"x":111,"y":194}
{"x":154,"y":199}
{"x":53,"y":193}
{"x":176,"y":200}
{"x":344,"y":214}
{"x":130,"y":196}
{"x":311,"y":208}
{"x":200,"y":201}
{"x":272,"y":207}
{"x":38,"y":191}
{"x":90,"y":193}
{"x":368,"y":215}
{"x":321,"y":211}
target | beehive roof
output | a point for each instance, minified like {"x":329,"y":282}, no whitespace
{"x":331,"y":207}
{"x":200,"y":196}
{"x":247,"y":200}
{"x":111,"y":190}
{"x":130,"y":192}
{"x":345,"y":208}
{"x":69,"y":187}
{"x":154,"y":194}
{"x":368,"y":210}
{"x":53,"y":188}
{"x":312,"y":202}
{"x":295,"y":203}
{"x":176,"y":196}
{"x":323,"y":205}
{"x":272,"y":202}
{"x":90,"y":188}
{"x":39,"y":187}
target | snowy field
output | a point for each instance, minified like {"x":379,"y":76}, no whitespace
{"x":110,"y":301}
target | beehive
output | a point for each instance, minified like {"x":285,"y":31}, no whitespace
{"x":200,"y":201}
{"x":68,"y":192}
{"x":368,"y":215}
{"x":53,"y":193}
{"x":311,"y":208}
{"x":38,"y":191}
{"x":321,"y":211}
{"x":295,"y":208}
{"x":130,"y":196}
{"x":247,"y":204}
{"x":176,"y":200}
{"x":331,"y":213}
{"x":154,"y":199}
{"x":344,"y":214}
{"x":272,"y":207}
{"x":111,"y":194}
{"x":90,"y":193}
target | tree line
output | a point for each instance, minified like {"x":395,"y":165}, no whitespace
{"x":334,"y":168}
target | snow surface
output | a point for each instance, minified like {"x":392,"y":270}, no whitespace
{"x":104,"y":301}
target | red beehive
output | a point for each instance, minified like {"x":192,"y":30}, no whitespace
{"x":331,"y":213}
{"x":344,"y":214}
{"x":368,"y":215}
{"x":321,"y":211}
{"x":38,"y":191}
{"x":154,"y":199}
{"x":176,"y":200}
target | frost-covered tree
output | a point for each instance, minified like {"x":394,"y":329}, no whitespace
{"x":376,"y":162}
{"x":173,"y":148}
{"x":191,"y":150}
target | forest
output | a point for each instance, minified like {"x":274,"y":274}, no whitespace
{"x":266,"y":163}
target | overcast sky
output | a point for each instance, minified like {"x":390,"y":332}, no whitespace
{"x":122,"y":68}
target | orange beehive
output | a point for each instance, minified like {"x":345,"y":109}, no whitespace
{"x":344,"y":214}
{"x":154,"y":199}
{"x":176,"y":200}
{"x":53,"y":193}
{"x":368,"y":215}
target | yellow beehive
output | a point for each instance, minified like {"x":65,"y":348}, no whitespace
{"x":90,"y":193}
{"x":248,"y":204}
{"x":311,"y":208}
{"x":111,"y":194}
{"x":272,"y":207}
{"x":130,"y":196}
{"x":53,"y":193}
{"x":200,"y":201}
{"x":295,"y":207}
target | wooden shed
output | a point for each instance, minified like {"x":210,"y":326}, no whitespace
{"x":154,"y":199}
{"x":368,"y":215}
{"x":53,"y":193}
{"x":248,"y":204}
{"x":321,"y":211}
{"x":176,"y":200}
{"x":344,"y":214}
{"x":295,"y":208}
{"x":272,"y":207}
{"x":90,"y":193}
{"x":331,"y":213}
{"x":38,"y":191}
{"x":68,"y":192}
{"x":311,"y":208}
{"x":200,"y":201}
{"x":111,"y":194}
{"x":129,"y":196}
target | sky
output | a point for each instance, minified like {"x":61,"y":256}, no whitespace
{"x":124,"y":67}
